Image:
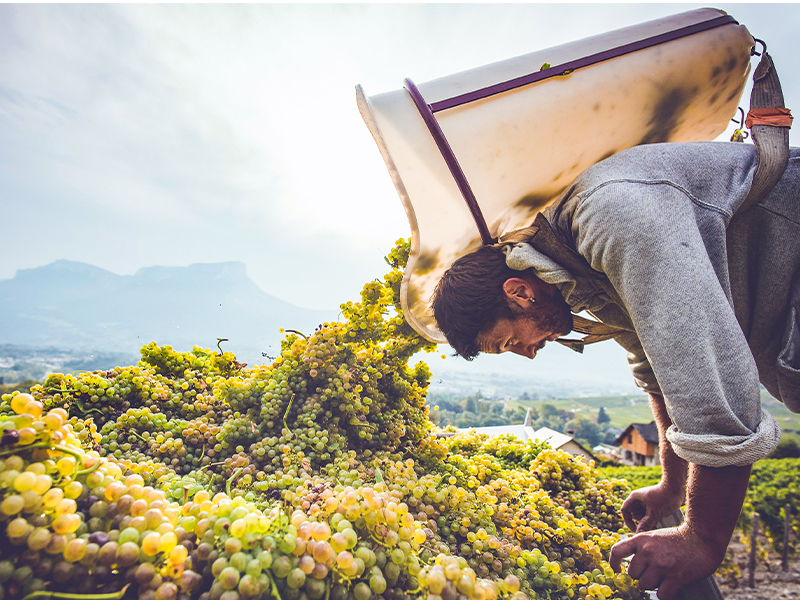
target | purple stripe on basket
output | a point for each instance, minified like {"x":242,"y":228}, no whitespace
{"x":579,"y":63}
{"x":450,"y":159}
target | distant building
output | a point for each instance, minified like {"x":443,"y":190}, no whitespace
{"x":608,"y":451}
{"x":562,"y":441}
{"x":556,"y":440}
{"x":639,"y":443}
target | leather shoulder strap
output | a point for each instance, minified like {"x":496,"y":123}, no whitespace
{"x":771,"y":141}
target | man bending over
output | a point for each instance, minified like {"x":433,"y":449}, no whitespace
{"x":704,"y":302}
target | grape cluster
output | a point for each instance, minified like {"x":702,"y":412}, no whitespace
{"x":192,"y":477}
{"x":574,"y":484}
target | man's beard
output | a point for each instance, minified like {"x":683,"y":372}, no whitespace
{"x":552,"y":314}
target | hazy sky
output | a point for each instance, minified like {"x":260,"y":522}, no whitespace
{"x":138,"y":135}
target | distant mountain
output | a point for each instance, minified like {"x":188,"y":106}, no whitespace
{"x":70,"y":304}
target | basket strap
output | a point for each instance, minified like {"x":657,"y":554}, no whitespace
{"x":771,"y":140}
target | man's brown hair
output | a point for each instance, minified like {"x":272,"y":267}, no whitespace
{"x":469,"y":298}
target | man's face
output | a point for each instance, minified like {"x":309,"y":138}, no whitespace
{"x":545,"y":320}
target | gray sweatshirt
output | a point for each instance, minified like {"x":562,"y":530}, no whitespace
{"x":708,"y":305}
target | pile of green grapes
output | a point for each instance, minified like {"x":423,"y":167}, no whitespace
{"x":191,"y":476}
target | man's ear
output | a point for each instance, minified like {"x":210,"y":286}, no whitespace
{"x":518,"y":292}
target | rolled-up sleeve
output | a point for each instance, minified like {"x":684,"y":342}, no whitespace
{"x":645,"y":237}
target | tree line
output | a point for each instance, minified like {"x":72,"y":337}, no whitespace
{"x":476,"y":410}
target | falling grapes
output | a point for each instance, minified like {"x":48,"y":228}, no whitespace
{"x":192,"y":476}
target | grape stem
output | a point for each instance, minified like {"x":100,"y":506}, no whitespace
{"x":41,"y":445}
{"x":377,"y":541}
{"x":131,"y":431}
{"x":236,"y":473}
{"x":66,"y":451}
{"x":305,"y":337}
{"x":216,"y":464}
{"x":67,"y":596}
{"x":89,"y":410}
{"x":272,"y":583}
{"x":85,"y":411}
{"x":286,"y":414}
{"x":53,"y":388}
{"x":91,"y":469}
{"x":342,"y":577}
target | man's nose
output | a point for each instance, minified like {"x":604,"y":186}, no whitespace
{"x":527,"y":352}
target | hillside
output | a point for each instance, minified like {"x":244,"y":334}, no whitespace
{"x":623,"y":410}
{"x":24,"y":363}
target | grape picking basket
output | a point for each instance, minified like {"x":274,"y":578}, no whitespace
{"x":478,"y":154}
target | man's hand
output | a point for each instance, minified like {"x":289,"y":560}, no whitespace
{"x":645,"y":507}
{"x":667,"y":559}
